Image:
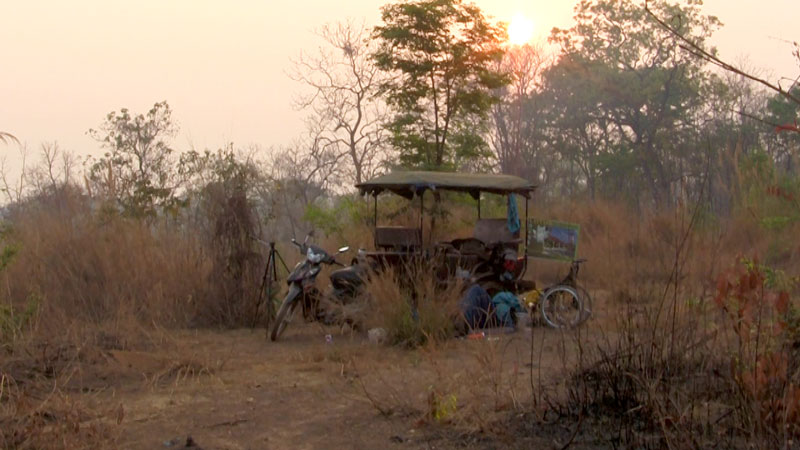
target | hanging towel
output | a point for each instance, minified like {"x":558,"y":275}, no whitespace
{"x":513,"y":215}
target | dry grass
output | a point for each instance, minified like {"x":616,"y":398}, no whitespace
{"x":670,"y":365}
{"x":661,"y":365}
{"x":84,"y":284}
{"x":112,"y":273}
{"x":412,"y":305}
{"x":468,"y":386}
{"x":53,"y":419}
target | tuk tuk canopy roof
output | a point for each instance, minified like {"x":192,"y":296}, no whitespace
{"x":410,"y":183}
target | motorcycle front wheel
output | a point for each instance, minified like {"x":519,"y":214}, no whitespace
{"x":285,"y":312}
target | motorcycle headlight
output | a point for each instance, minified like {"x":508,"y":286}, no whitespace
{"x":315,"y":258}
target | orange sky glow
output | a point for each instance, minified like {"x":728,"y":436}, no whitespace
{"x":222,"y":65}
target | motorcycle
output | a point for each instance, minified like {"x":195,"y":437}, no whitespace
{"x":302,"y":288}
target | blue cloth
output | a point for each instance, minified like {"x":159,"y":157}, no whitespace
{"x":481,"y":311}
{"x":513,"y":214}
{"x":506,"y":303}
{"x":475,"y":307}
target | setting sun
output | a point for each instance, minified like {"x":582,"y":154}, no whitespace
{"x":520,"y":30}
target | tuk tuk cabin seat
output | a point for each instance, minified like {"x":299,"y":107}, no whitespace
{"x":398,"y":238}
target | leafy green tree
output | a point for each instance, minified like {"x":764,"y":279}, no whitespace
{"x":640,"y":91}
{"x":137,"y":169}
{"x":441,"y":58}
{"x":784,"y":113}
{"x":781,"y":141}
{"x":579,"y":129}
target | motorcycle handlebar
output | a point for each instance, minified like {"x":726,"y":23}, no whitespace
{"x":330,"y":260}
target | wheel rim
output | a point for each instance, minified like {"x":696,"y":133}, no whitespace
{"x":561,"y":307}
{"x":586,"y":301}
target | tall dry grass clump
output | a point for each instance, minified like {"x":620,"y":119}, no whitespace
{"x":412,"y":304}
{"x":620,"y":241}
{"x":102,"y":270}
{"x":85,"y":264}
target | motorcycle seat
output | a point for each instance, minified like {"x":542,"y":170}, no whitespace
{"x":347,"y":275}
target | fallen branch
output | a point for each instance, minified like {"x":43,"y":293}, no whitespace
{"x":228,"y":423}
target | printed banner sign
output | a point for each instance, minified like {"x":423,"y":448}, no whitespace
{"x":553,"y":240}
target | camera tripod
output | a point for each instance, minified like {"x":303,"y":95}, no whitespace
{"x":268,"y":280}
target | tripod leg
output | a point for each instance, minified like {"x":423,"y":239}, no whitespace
{"x":271,"y":278}
{"x":280,"y":258}
{"x":261,"y":292}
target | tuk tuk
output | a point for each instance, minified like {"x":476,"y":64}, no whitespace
{"x":490,"y":257}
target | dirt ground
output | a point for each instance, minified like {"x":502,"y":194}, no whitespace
{"x":236,"y":390}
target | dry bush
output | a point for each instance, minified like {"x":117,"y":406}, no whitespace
{"x":688,"y":374}
{"x":645,"y":384}
{"x":761,"y":321}
{"x":237,"y":264}
{"x":668,"y":367}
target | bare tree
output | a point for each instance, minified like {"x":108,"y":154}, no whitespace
{"x":296,"y":177}
{"x":54,"y":169}
{"x":346,"y":118}
{"x":5,"y":138}
{"x":15,"y":190}
{"x":50,"y":173}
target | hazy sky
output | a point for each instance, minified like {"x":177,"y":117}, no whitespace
{"x":222,"y":65}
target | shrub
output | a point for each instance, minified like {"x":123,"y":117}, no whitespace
{"x":412,"y":305}
{"x":765,"y":372}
